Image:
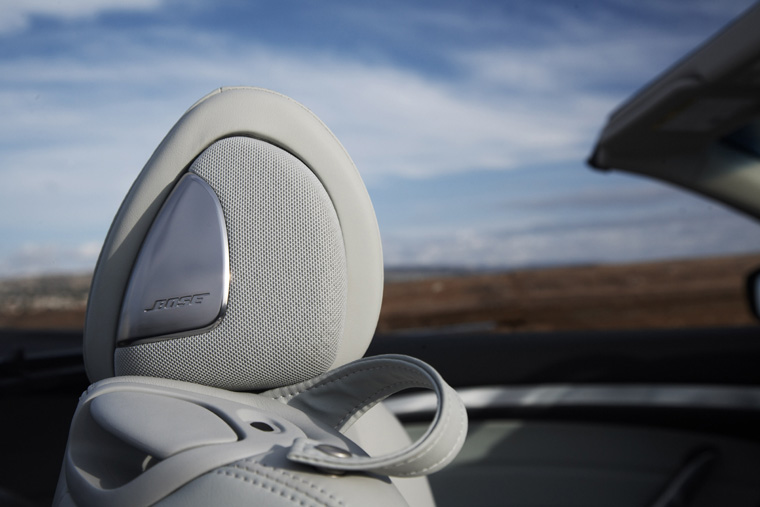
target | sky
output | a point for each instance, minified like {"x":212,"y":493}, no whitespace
{"x":469,"y":121}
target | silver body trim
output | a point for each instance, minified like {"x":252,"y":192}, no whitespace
{"x":180,"y":281}
{"x":665,"y":396}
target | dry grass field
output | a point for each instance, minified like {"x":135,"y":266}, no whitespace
{"x":686,"y":293}
{"x":47,"y":302}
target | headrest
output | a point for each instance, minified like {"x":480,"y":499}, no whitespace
{"x":245,"y":256}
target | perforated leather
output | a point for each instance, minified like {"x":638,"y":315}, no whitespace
{"x":258,"y":114}
{"x":305,"y":252}
{"x":287,"y":299}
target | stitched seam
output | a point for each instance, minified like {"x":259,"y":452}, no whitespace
{"x":430,"y":445}
{"x":462,"y":417}
{"x":325,"y":383}
{"x":279,"y":481}
{"x":283,"y":493}
{"x":372,"y":397}
{"x":255,"y":468}
{"x":289,"y":396}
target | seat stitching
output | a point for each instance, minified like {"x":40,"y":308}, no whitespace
{"x":325,"y":383}
{"x":281,"y":492}
{"x":462,"y":429}
{"x":256,"y":468}
{"x":373,"y":396}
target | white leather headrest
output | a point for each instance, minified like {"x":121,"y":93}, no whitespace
{"x":245,"y":256}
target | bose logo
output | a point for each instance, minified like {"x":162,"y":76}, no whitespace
{"x":178,"y":302}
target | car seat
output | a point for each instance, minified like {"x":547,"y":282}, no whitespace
{"x":246,"y":259}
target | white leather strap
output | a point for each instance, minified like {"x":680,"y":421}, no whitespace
{"x":340,"y":397}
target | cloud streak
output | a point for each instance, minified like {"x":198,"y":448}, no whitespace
{"x":396,"y":121}
{"x":35,"y":258}
{"x":601,"y":242}
{"x":16,"y":16}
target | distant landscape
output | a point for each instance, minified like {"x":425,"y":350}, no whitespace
{"x":668,"y":294}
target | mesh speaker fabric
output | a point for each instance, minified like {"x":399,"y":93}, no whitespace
{"x":288,"y":278}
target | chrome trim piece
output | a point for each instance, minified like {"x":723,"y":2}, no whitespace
{"x":180,"y":281}
{"x":664,"y":396}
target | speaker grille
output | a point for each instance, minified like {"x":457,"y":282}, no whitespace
{"x":287,"y":298}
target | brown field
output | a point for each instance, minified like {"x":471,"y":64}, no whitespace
{"x":686,"y":293}
{"x":47,"y":302}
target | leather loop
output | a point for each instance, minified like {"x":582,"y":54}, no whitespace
{"x":340,"y":397}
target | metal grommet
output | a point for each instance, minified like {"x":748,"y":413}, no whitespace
{"x":333,"y":451}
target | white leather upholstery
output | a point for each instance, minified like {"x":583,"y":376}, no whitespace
{"x":415,"y":490}
{"x":342,"y":396}
{"x":142,"y":440}
{"x":265,"y":115}
{"x":135,"y":441}
{"x":102,"y":469}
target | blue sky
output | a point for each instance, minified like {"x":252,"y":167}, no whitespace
{"x":469,"y":121}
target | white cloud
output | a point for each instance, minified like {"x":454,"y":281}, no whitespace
{"x":42,"y":258}
{"x":69,"y":166}
{"x":698,"y":230}
{"x":78,"y":126}
{"x":16,"y":15}
{"x":586,"y":66}
{"x":392,"y":120}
